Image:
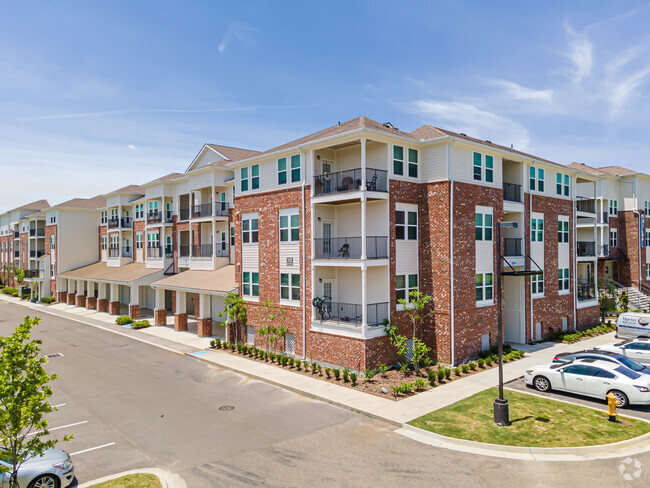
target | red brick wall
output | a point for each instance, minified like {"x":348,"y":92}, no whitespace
{"x":628,"y":241}
{"x":588,"y":317}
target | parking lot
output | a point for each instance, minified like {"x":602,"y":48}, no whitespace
{"x":642,"y":412}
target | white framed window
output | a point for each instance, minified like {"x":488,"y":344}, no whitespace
{"x":139,"y":210}
{"x":406,"y":225}
{"x":413,"y":163}
{"x":647,"y":271}
{"x":290,"y":287}
{"x":613,"y":207}
{"x":103,"y":217}
{"x":52,"y":242}
{"x":282,"y":171}
{"x":153,"y":240}
{"x":250,"y":177}
{"x":562,"y":230}
{"x":138,"y":240}
{"x":537,"y":284}
{"x":563,"y":280}
{"x":537,"y":230}
{"x":249,"y":231}
{"x":232,"y":236}
{"x":613,"y":237}
{"x":289,"y":227}
{"x":114,"y":213}
{"x":536,"y":179}
{"x":483,"y":167}
{"x":484,"y":288}
{"x":104,"y":242}
{"x":647,"y":208}
{"x":562,"y":184}
{"x":295,"y":168}
{"x":52,"y":271}
{"x":52,"y":217}
{"x":647,"y":239}
{"x":404,"y":285}
{"x":250,"y":284}
{"x":398,"y":160}
{"x":483,"y":226}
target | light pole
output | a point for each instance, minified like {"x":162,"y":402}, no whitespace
{"x":501,"y":413}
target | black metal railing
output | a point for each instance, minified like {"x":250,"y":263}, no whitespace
{"x":113,"y":252}
{"x":350,"y":180}
{"x":32,"y":273}
{"x":202,"y":250}
{"x":169,"y":252}
{"x":169,"y":216}
{"x":184,"y":251}
{"x":604,"y":251}
{"x":36,"y":253}
{"x":113,"y":223}
{"x":350,"y":247}
{"x":127,"y":252}
{"x":154,"y":217}
{"x":16,"y":253}
{"x":154,"y":252}
{"x":512,"y":192}
{"x":586,"y":205}
{"x":221,"y":209}
{"x":512,"y":246}
{"x":40,"y":232}
{"x":202,"y":210}
{"x":586,"y":248}
{"x":184,"y":214}
{"x":586,"y":291}
{"x":376,"y":313}
{"x":351,"y":313}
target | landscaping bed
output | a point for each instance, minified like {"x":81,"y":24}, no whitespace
{"x":536,"y":422}
{"x":138,"y":480}
{"x":396,"y":383}
{"x":575,"y":336}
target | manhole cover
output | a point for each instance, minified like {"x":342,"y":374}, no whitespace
{"x":226,"y":408}
{"x":55,"y":355}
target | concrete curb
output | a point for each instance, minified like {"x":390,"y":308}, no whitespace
{"x":629,"y":447}
{"x":167,"y":478}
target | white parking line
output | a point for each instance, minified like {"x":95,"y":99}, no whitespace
{"x":60,"y":427}
{"x":92,"y":449}
{"x":59,"y":405}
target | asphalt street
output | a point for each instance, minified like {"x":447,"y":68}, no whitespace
{"x":133,"y":405}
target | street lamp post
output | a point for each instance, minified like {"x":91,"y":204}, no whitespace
{"x":501,"y":412}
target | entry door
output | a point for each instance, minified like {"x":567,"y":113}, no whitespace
{"x":512,"y":318}
{"x":223,"y":241}
{"x":327,"y":238}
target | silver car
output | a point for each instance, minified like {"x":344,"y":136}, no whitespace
{"x":54,"y":469}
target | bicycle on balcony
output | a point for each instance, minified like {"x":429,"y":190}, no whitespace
{"x":321,"y":303}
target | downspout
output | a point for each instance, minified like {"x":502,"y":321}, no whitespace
{"x":532,"y":319}
{"x":574,"y":255}
{"x":304,"y":259}
{"x":451,"y":251}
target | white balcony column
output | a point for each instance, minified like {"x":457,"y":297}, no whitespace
{"x":115,"y":292}
{"x":364,"y":302}
{"x":80,"y":287}
{"x":214,"y":201}
{"x":181,"y":305}
{"x":90,"y":286}
{"x":135,"y":295}
{"x":363,"y":227}
{"x":214,"y":243}
{"x":101,"y":292}
{"x":70,"y":285}
{"x":160,"y":298}
{"x":204,"y":306}
{"x":363,"y":163}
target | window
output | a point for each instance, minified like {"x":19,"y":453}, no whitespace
{"x":255,"y":177}
{"x":52,"y":242}
{"x":104,"y":242}
{"x":289,"y":286}
{"x":484,"y":287}
{"x":282,"y":171}
{"x":52,"y":217}
{"x":406,"y":225}
{"x":295,"y":170}
{"x":613,"y":207}
{"x":537,"y":230}
{"x":251,"y":284}
{"x":647,"y":209}
{"x":232,"y":236}
{"x":562,"y":231}
{"x":138,"y":240}
{"x":104,"y":216}
{"x":536,"y":179}
{"x":413,"y":163}
{"x":398,"y":160}
{"x":563,"y":279}
{"x":613,"y":237}
{"x":647,"y":239}
{"x":537,"y":284}
{"x":243,"y":175}
{"x":483,"y":226}
{"x":478,"y":167}
{"x":401,"y":282}
{"x":289,"y":228}
{"x":647,"y":271}
{"x":562,"y":184}
{"x":52,"y":272}
{"x":153,"y":240}
{"x":249,"y":231}
{"x":139,"y":210}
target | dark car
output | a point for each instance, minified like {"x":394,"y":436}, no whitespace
{"x":565,"y":357}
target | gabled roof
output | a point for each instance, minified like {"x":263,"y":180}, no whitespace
{"x":586,"y":168}
{"x":170,"y":176}
{"x":95,"y":202}
{"x":618,"y":171}
{"x":37,"y":205}
{"x":130,"y":189}
{"x":221,"y":280}
{"x":226,"y":154}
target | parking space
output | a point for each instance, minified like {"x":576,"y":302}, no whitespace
{"x":641,"y":412}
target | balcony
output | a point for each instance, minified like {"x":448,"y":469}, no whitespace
{"x":603,"y":218}
{"x":202,"y":250}
{"x":114,"y":252}
{"x":350,"y":180}
{"x":512,"y":247}
{"x":40,"y":232}
{"x":154,"y":217}
{"x":124,"y":223}
{"x":154,"y":252}
{"x":168,"y":216}
{"x":202,"y":210}
{"x":586,"y":292}
{"x":586,"y":249}
{"x":350,"y":247}
{"x":16,"y":254}
{"x":587,"y":205}
{"x":221,"y":209}
{"x":33,"y":273}
{"x":16,"y":234}
{"x":184,"y":214}
{"x":350,"y":313}
{"x":512,"y":192}
{"x":184,"y":251}
{"x":35,"y":253}
{"x":127,"y":252}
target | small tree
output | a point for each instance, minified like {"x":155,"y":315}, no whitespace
{"x":24,"y":395}
{"x":606,"y":299}
{"x":271,"y":316}
{"x":19,"y":274}
{"x":623,"y":301}
{"x":235,"y":313}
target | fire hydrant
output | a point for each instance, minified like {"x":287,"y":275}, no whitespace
{"x":611,"y":406}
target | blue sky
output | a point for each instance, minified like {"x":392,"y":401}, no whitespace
{"x":97,"y":95}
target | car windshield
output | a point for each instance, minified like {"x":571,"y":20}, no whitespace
{"x":630,"y":363}
{"x":627,"y":372}
{"x":619,"y":344}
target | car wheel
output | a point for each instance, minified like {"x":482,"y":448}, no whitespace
{"x":621,"y":398}
{"x":542,"y":384}
{"x":45,"y":481}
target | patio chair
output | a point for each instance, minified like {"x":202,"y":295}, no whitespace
{"x":372,"y":184}
{"x":346,"y":184}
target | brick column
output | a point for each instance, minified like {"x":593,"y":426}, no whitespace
{"x":114,"y":308}
{"x":80,"y":301}
{"x":134,"y":311}
{"x":180,"y":321}
{"x":204,"y":327}
{"x":160,"y":317}
{"x":102,"y":305}
{"x":91,"y":303}
{"x":70,"y":298}
{"x":62,"y":296}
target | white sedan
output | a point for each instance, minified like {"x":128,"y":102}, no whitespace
{"x":637,"y":349}
{"x":593,"y":378}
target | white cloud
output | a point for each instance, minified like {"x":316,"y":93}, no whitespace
{"x":519,"y":92}
{"x":580,"y":54}
{"x":131,"y":146}
{"x":237,"y":30}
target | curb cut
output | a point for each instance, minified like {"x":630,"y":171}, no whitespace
{"x":167,"y":478}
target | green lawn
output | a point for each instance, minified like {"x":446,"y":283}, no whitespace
{"x":138,"y":480}
{"x":536,"y":422}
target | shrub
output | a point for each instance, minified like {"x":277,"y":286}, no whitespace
{"x":328,"y":372}
{"x":407,"y":387}
{"x":441,"y":374}
{"x":431,"y":376}
{"x":213,"y":344}
{"x":140,"y":324}
{"x":232,"y":346}
{"x":457,"y":371}
{"x":319,"y":370}
{"x":123,"y":320}
{"x":353,"y":378}
{"x":404,"y":368}
{"x":290,"y":361}
{"x":47,"y":299}
{"x":346,"y":375}
{"x":397,"y":389}
{"x":420,"y":384}
{"x":217,"y":343}
{"x":481,"y":362}
{"x":314,"y":368}
{"x":272,"y":357}
{"x":447,"y":373}
{"x":337,"y":374}
{"x":298,"y":364}
{"x":25,"y":296}
{"x":488,"y":361}
{"x":369,"y":374}
{"x":472,"y":366}
{"x":465,"y":368}
{"x":383,"y":369}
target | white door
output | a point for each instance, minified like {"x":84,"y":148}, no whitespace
{"x":327,"y":236}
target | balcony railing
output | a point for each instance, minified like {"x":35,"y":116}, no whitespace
{"x":586,"y":249}
{"x":168,"y":216}
{"x":202,"y":250}
{"x":587,"y":205}
{"x":512,"y":247}
{"x":586,"y":291}
{"x":16,"y":253}
{"x":32,"y":273}
{"x":350,"y":247}
{"x":221,"y":209}
{"x":350,"y":180}
{"x":351,"y":313}
{"x":185,"y":251}
{"x":16,"y":234}
{"x":154,"y":217}
{"x":202,"y":210}
{"x":512,"y":192}
{"x":40,"y":232}
{"x":154,"y":252}
{"x":127,"y":252}
{"x":113,"y":252}
{"x":36,"y":253}
{"x":604,"y":251}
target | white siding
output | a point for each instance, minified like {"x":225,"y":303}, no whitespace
{"x":462,"y":165}
{"x":433,"y":163}
{"x":485,"y":249}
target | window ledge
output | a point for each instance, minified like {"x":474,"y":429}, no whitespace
{"x":251,"y":299}
{"x":290,"y":303}
{"x":535,"y":297}
{"x":485,"y":303}
{"x":564,"y":292}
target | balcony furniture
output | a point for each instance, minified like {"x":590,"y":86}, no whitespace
{"x":344,"y":252}
{"x":350,"y":180}
{"x":350,"y":247}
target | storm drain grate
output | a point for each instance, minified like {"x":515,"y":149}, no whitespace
{"x":226,"y":408}
{"x":55,"y":355}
